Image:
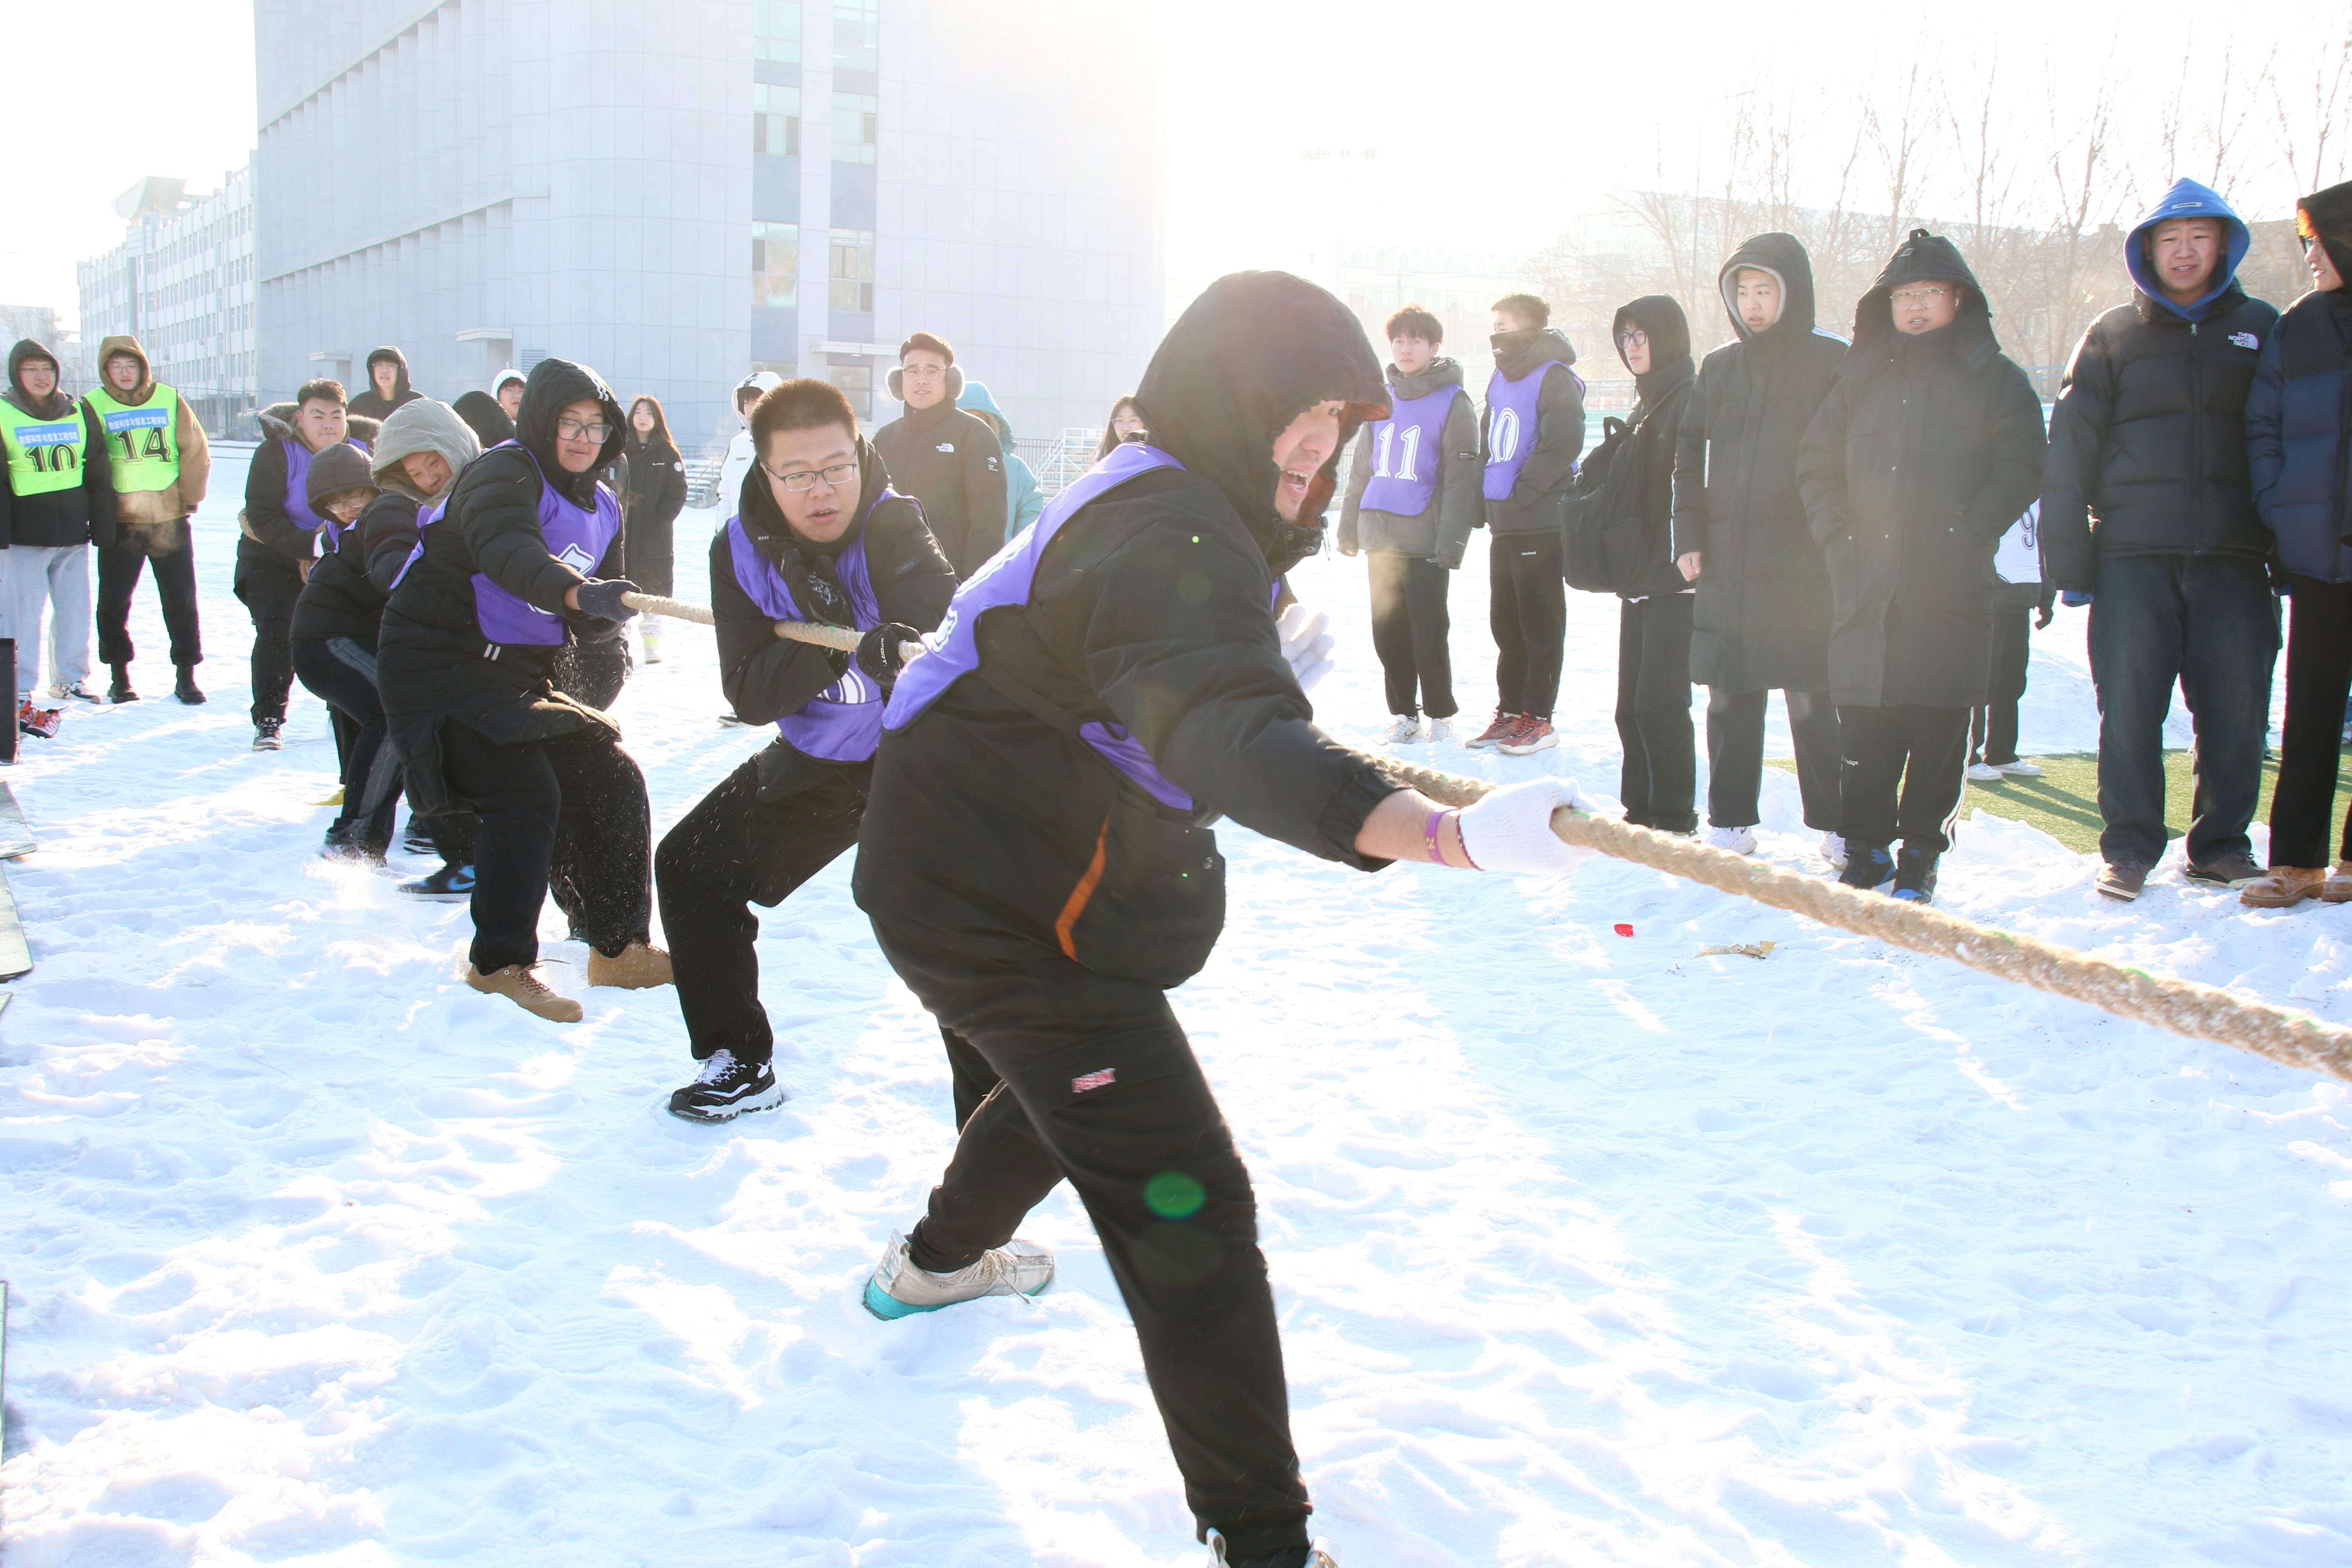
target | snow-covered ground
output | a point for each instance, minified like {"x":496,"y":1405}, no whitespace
{"x":1589,"y":1250}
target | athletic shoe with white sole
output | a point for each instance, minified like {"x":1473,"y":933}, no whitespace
{"x":899,"y":1289}
{"x":1403,"y":731}
{"x":1984,"y":773}
{"x":1318,"y":1555}
{"x":1437,"y":731}
{"x":449,"y":885}
{"x":727,"y":1088}
{"x":1500,"y":730}
{"x":1533,"y":735}
{"x":1738,"y":840}
{"x":1833,"y":851}
{"x":2021,"y":769}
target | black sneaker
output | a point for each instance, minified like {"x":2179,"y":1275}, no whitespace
{"x":416,"y":841}
{"x":449,"y":885}
{"x":1867,"y":865}
{"x":725,"y":1089}
{"x":349,"y":842}
{"x":264,"y":734}
{"x":185,"y":688}
{"x":1914,"y":876}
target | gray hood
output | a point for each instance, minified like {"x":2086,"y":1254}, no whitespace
{"x":422,"y":426}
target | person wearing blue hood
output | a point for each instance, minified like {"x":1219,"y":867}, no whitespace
{"x":2148,"y":442}
{"x":1024,"y":499}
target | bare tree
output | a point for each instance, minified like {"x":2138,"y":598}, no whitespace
{"x":2307,"y":119}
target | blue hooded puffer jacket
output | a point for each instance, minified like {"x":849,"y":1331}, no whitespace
{"x":1023,"y":497}
{"x":2188,"y":199}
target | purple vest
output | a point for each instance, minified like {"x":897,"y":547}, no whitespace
{"x":843,"y":723}
{"x":1007,"y":579}
{"x":297,"y":487}
{"x":1511,"y":428}
{"x":574,"y":535}
{"x":1407,"y":448}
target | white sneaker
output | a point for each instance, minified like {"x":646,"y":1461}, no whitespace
{"x":1984,"y":773}
{"x":1318,"y":1555}
{"x":1438,"y":731}
{"x":1833,"y":851}
{"x":899,"y":1289}
{"x":1403,"y":731}
{"x":1738,"y":840}
{"x":2021,"y":769}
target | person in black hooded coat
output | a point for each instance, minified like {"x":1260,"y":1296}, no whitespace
{"x":479,"y":725}
{"x":1040,"y":897}
{"x":1927,"y":449}
{"x":376,"y":403}
{"x":1761,"y":619}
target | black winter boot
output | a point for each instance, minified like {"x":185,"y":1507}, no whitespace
{"x":120,"y":691}
{"x":185,"y":688}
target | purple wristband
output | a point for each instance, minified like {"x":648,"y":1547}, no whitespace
{"x":1429,"y":836}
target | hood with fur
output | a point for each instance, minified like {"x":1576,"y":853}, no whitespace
{"x":1783,"y":256}
{"x":276,"y":423}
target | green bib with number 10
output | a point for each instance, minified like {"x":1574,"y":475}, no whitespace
{"x":44,"y":455}
{"x":141,"y":442}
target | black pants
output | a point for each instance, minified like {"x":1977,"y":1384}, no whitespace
{"x":594,"y":673}
{"x":341,"y":673}
{"x":521,"y":792}
{"x":1735,"y":756}
{"x":270,"y":602}
{"x":1921,"y":753}
{"x":731,"y":851}
{"x":2318,"y":678}
{"x":1409,"y":631}
{"x":172,"y":550}
{"x":1992,"y":728}
{"x":1659,"y":781}
{"x":2212,"y":623}
{"x":1527,"y":609}
{"x":1100,"y":1087}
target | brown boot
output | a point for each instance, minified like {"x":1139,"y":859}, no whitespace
{"x":637,"y":967}
{"x":2339,"y":887}
{"x":527,"y":991}
{"x":2286,"y":887}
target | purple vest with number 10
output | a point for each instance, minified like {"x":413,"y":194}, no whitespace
{"x":1511,"y":428}
{"x":1007,"y":579}
{"x":1407,"y":448}
{"x":843,"y":723}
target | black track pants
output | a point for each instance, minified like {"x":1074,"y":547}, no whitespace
{"x":1527,"y":612}
{"x":1906,"y":769}
{"x":172,"y":550}
{"x":341,"y":673}
{"x":2311,"y":749}
{"x":1735,"y":756}
{"x":1659,"y":780}
{"x":1408,"y":630}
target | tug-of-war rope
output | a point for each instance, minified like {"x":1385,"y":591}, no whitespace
{"x":2184,"y":1007}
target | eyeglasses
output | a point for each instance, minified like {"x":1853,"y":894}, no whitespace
{"x":1634,"y":339}
{"x":1919,"y":296}
{"x":2306,"y":241}
{"x":574,"y":430}
{"x":838,"y":475}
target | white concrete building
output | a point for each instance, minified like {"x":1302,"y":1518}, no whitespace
{"x":182,"y":282}
{"x":680,"y":194}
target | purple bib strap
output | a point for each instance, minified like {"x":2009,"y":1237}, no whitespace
{"x":843,"y":723}
{"x":574,"y":534}
{"x":1407,"y":448}
{"x":1511,"y":418}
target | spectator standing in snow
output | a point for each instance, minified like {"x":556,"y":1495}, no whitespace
{"x":506,"y":388}
{"x":279,"y":535}
{"x":740,"y":456}
{"x":820,"y":537}
{"x":1125,"y":423}
{"x":1921,"y":456}
{"x":1024,"y":497}
{"x":2300,"y":457}
{"x":499,"y":583}
{"x":1413,"y":497}
{"x":2149,"y":437}
{"x":161,"y":464}
{"x":419,"y":452}
{"x":483,"y":415}
{"x":949,"y":460}
{"x":1761,"y":622}
{"x":650,"y":502}
{"x":388,"y":386}
{"x":1032,"y":860}
{"x":2019,"y":610}
{"x":1530,"y":436}
{"x":59,"y":501}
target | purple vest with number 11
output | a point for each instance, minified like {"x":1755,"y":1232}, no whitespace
{"x":1511,"y":428}
{"x":1007,"y":579}
{"x":843,"y":723}
{"x":1407,"y":448}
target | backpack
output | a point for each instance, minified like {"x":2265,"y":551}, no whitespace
{"x":1586,"y":507}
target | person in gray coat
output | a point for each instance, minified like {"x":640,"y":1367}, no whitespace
{"x":1420,"y":472}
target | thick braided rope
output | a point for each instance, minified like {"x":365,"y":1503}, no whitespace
{"x":843,"y":638}
{"x":2184,"y":1007}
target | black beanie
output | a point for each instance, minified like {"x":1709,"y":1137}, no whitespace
{"x":342,"y":467}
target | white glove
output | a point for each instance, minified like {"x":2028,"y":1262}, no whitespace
{"x":1510,"y":830}
{"x":1306,"y":643}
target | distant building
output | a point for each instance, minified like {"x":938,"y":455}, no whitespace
{"x":181,"y":281}
{"x":679,"y":195}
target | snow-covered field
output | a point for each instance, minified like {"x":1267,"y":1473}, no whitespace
{"x":1589,"y":1250}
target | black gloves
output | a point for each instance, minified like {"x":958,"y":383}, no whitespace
{"x":878,"y":656}
{"x":602,"y":600}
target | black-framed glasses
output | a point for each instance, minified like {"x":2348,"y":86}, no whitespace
{"x":2306,"y":241}
{"x":837,"y":475}
{"x":573,"y":430}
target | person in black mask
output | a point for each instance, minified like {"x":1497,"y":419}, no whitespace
{"x":1927,"y":449}
{"x":512,"y":571}
{"x":1036,"y":859}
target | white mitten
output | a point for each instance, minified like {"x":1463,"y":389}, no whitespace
{"x":1510,"y":830}
{"x":1306,"y":643}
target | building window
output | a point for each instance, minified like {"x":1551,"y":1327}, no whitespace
{"x":776,"y":121}
{"x":857,"y":382}
{"x":857,"y":35}
{"x":852,"y":271}
{"x":775,"y":263}
{"x":852,"y":127}
{"x":776,"y":31}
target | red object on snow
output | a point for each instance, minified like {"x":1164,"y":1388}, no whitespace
{"x":1624,"y":930}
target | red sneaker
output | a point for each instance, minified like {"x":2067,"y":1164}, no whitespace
{"x":1533,"y":734}
{"x":42,"y":721}
{"x":1502,"y":729}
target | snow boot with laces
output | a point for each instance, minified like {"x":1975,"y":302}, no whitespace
{"x":637,"y":967}
{"x":518,"y":983}
{"x":899,"y":1289}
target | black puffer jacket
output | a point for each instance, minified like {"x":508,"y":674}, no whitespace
{"x":430,"y":659}
{"x":1150,"y":610}
{"x":952,"y":463}
{"x":1533,"y":505}
{"x":370,"y":403}
{"x":1920,"y":457}
{"x":1640,"y":480}
{"x":1762,"y":620}
{"x":653,"y":493}
{"x":272,"y":545}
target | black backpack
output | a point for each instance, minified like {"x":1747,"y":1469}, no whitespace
{"x":1587,"y":559}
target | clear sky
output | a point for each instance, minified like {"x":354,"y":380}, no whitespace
{"x":1489,"y":125}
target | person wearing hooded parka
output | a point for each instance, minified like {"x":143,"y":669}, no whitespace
{"x":520,"y":559}
{"x":387,"y":387}
{"x":1036,"y":859}
{"x":1921,"y":456}
{"x":1761,"y":622}
{"x":57,"y":500}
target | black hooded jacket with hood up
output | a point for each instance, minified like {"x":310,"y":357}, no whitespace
{"x":83,"y":514}
{"x":430,"y":659}
{"x":1639,"y":471}
{"x":1762,"y":619}
{"x":1150,"y":610}
{"x":369,"y":405}
{"x":1530,"y":508}
{"x":1924,"y":452}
